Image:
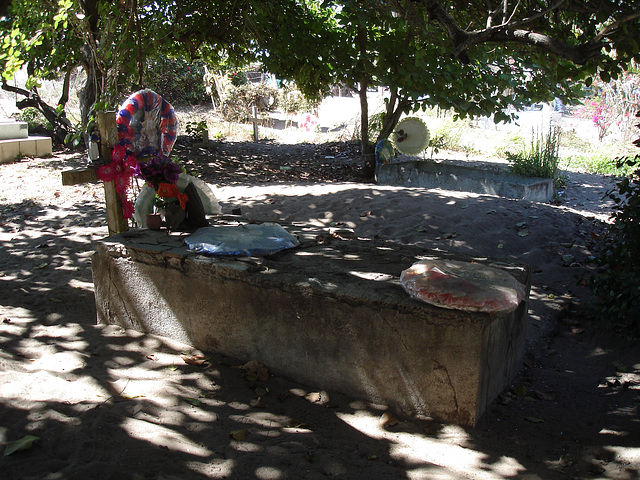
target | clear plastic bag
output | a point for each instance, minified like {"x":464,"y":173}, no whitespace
{"x":463,"y":286}
{"x":241,"y":240}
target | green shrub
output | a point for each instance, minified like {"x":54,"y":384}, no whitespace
{"x":447,"y":136}
{"x":239,"y":102}
{"x":599,"y":161}
{"x":617,"y":282}
{"x":195,"y":129}
{"x":294,"y":102}
{"x":541,"y":159}
{"x":34,"y":118}
{"x":177,"y":80}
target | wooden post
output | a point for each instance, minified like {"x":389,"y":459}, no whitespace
{"x":255,"y":121}
{"x":108,"y":138}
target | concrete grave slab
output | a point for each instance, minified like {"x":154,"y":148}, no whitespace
{"x":431,"y":174}
{"x":330,"y":314}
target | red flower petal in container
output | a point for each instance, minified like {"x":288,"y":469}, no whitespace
{"x":183,"y":198}
{"x":165,"y":190}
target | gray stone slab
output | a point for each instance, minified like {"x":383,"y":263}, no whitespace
{"x":430,"y":174}
{"x":330,"y":314}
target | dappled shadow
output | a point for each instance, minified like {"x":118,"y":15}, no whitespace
{"x":230,"y":163}
{"x":110,"y":404}
{"x":556,"y":243}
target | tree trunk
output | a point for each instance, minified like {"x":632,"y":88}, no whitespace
{"x":395,"y":108}
{"x":368,"y":150}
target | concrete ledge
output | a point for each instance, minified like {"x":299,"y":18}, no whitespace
{"x":330,"y":315}
{"x":430,"y":174}
{"x":31,"y":146}
{"x":11,"y":129}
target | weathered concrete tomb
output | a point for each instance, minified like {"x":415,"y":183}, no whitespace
{"x":465,"y":178}
{"x":330,"y":314}
{"x":15,"y":141}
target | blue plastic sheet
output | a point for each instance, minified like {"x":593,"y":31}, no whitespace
{"x":241,"y":240}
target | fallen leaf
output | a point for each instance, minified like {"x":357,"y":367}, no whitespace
{"x":387,"y":419}
{"x":567,"y":245}
{"x":194,"y":359}
{"x":450,"y":235}
{"x":534,"y":419}
{"x":254,"y":370}
{"x":421,"y":229}
{"x":500,"y":245}
{"x":489,"y":212}
{"x":523,"y":233}
{"x":173,"y":368}
{"x":124,"y":396}
{"x":520,"y":391}
{"x":544,"y":396}
{"x":193,"y":401}
{"x":366,"y":213}
{"x":520,"y":224}
{"x":24,"y":443}
{"x":317,"y":397}
{"x":238,"y":435}
{"x":42,"y":265}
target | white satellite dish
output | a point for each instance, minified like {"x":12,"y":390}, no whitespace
{"x":411,"y":136}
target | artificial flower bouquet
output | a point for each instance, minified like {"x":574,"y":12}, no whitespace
{"x":157,"y":170}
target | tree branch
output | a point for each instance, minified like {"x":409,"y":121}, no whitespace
{"x":509,"y":32}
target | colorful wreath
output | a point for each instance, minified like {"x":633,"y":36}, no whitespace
{"x":147,"y":124}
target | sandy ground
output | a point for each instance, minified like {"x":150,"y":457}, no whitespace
{"x":107,"y":403}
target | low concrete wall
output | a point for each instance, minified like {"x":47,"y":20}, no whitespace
{"x":30,"y":146}
{"x":430,"y":174}
{"x":10,"y":129}
{"x":332,"y":316}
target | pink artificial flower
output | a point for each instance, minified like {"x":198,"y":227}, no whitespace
{"x":127,"y":208}
{"x":106,"y":173}
{"x":121,"y":183}
{"x":118,"y":153}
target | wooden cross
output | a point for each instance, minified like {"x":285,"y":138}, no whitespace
{"x":108,"y":130}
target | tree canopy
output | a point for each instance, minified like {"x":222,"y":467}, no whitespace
{"x":475,"y":57}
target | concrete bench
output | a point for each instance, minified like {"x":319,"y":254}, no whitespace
{"x":330,"y":314}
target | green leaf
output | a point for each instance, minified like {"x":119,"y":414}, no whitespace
{"x":534,"y":419}
{"x":24,"y":443}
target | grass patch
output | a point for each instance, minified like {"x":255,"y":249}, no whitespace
{"x":539,"y":159}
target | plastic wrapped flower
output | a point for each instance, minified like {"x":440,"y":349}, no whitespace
{"x":168,"y":191}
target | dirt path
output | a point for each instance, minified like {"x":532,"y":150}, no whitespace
{"x":112,"y":404}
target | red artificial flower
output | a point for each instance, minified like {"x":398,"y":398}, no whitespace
{"x":106,"y":173}
{"x":183,"y":198}
{"x":168,"y":190}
